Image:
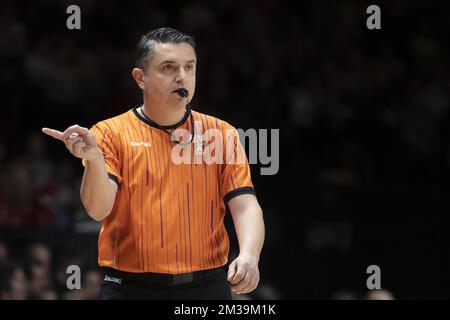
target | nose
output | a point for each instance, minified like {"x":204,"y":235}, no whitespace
{"x":181,"y":75}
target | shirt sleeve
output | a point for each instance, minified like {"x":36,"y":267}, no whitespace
{"x":108,"y":144}
{"x":235,"y":175}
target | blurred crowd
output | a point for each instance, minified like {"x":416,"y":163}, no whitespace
{"x":38,"y":193}
{"x":364,"y":116}
{"x":36,"y":274}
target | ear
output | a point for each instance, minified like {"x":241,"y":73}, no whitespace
{"x":138,"y":75}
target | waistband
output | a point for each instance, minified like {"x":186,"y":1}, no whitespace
{"x":150,"y":278}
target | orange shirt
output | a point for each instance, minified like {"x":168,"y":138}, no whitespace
{"x":167,"y":217}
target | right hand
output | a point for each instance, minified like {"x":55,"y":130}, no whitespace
{"x":79,"y":140}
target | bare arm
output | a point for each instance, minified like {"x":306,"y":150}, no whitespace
{"x":249,"y":224}
{"x":97,"y":191}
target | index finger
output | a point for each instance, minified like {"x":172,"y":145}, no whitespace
{"x":53,"y":133}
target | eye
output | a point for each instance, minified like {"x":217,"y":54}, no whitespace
{"x":189,"y":67}
{"x":167,"y":67}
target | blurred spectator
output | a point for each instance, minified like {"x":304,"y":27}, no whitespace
{"x":21,"y":207}
{"x":13,"y":283}
{"x":38,"y":164}
{"x":91,"y":285}
{"x":39,"y":254}
{"x":4,"y":255}
{"x":39,"y":282}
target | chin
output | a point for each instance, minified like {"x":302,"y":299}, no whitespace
{"x":178,"y":103}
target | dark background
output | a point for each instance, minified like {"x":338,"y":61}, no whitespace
{"x":364,"y":134}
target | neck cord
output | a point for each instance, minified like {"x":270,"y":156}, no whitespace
{"x":164,"y":128}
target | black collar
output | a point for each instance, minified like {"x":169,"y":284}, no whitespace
{"x":155,"y":125}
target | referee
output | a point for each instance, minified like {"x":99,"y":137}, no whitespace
{"x":163,"y":233}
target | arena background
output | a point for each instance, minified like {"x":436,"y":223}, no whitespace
{"x":364,"y":135}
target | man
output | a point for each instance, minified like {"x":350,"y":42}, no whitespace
{"x":163,"y":233}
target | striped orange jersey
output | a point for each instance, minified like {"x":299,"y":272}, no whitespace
{"x":167,"y":217}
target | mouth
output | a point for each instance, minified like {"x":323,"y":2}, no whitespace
{"x":182,"y":92}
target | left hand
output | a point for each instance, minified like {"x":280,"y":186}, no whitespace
{"x":243,"y":274}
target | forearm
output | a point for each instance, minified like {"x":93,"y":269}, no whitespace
{"x":96,"y":191}
{"x":250,"y":231}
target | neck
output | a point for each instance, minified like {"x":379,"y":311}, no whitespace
{"x":164,"y":116}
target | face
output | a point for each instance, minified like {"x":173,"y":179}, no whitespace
{"x":18,"y":285}
{"x":172,"y":67}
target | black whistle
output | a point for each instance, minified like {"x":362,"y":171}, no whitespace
{"x":183,"y":92}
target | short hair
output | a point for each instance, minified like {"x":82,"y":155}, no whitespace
{"x":146,"y":46}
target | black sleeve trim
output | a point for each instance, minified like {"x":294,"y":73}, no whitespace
{"x":237,"y":192}
{"x":114,"y":178}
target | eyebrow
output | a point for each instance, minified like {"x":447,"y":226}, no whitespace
{"x":171,"y":61}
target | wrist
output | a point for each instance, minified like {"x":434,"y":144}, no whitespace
{"x":95,"y":157}
{"x":249,"y":256}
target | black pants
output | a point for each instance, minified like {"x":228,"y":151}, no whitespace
{"x":204,"y":285}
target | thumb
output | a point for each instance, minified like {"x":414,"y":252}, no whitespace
{"x":232,"y":270}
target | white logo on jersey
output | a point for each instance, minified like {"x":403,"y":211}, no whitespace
{"x":142,"y":143}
